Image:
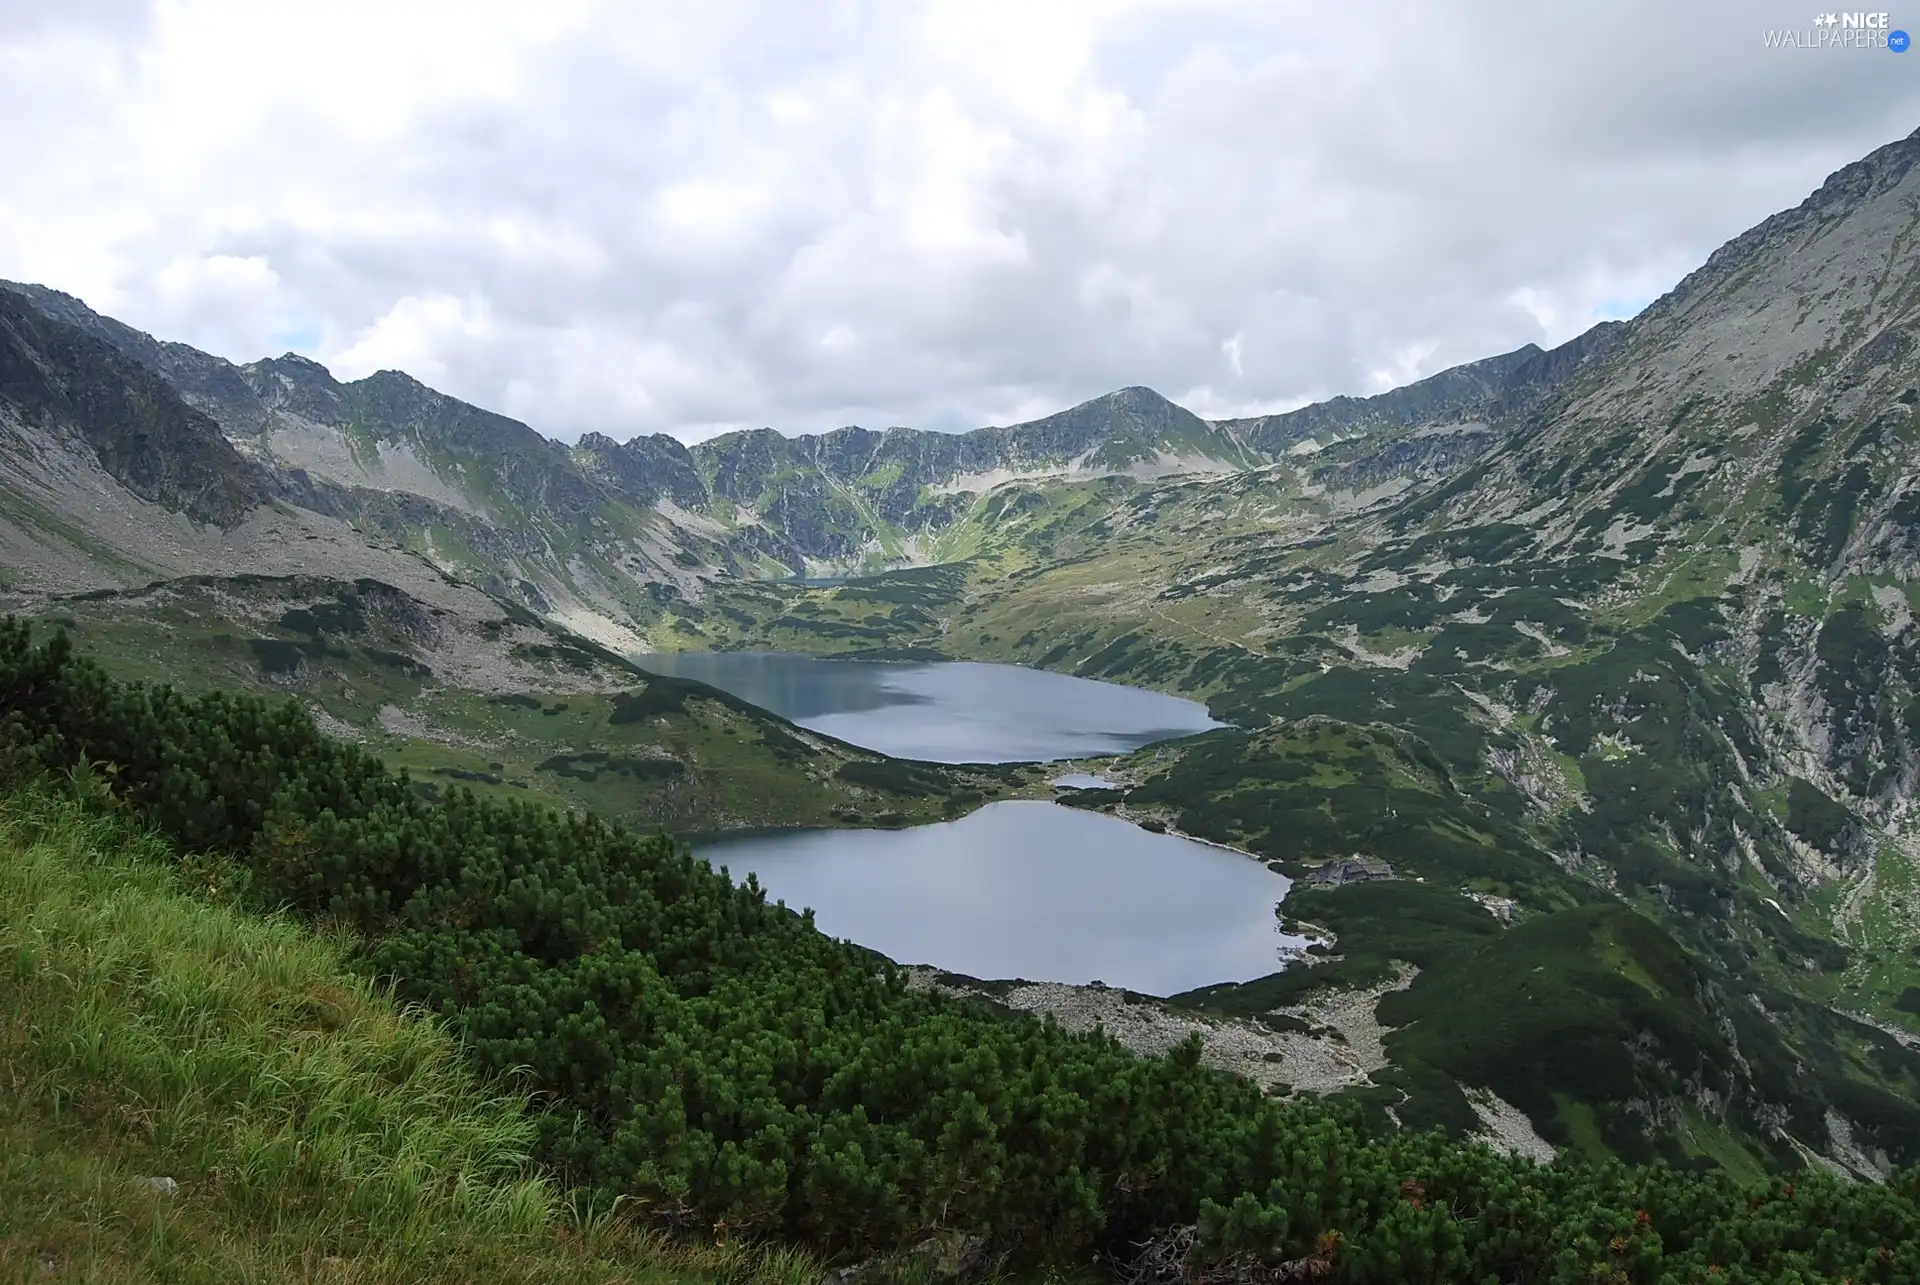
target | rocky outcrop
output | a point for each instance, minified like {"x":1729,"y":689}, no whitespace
{"x":59,"y":381}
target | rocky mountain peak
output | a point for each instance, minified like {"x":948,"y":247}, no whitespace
{"x":293,"y":361}
{"x":396,"y":379}
{"x":290,"y":384}
{"x":1843,"y":193}
{"x":1129,"y":408}
{"x":1801,"y":289}
{"x":1137,"y":398}
{"x":58,"y":380}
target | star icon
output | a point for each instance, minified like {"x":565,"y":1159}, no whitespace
{"x":1826,"y":20}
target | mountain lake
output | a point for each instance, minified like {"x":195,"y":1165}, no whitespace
{"x":945,"y":711}
{"x":1020,"y":889}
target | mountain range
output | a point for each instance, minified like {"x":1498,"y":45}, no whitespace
{"x":1608,"y":651}
{"x":601,"y":529}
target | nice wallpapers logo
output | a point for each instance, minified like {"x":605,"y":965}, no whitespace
{"x":1859,"y":30}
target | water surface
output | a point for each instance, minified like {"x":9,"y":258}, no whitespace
{"x":1034,"y":890}
{"x":945,"y":711}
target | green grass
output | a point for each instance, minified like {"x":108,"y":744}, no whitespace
{"x":316,"y":1130}
{"x":741,"y":767}
{"x":1582,"y":1130}
{"x":182,"y":639}
{"x":1884,"y":964}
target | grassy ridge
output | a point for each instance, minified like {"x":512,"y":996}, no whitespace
{"x":589,"y":731}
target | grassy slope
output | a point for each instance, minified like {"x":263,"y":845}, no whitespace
{"x":315,"y":1130}
{"x":1541,"y":1005}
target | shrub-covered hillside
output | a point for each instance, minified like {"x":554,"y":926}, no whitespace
{"x":715,"y":1058}
{"x":199,"y":1094}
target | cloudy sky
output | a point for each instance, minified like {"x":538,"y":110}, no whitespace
{"x":688,"y":216}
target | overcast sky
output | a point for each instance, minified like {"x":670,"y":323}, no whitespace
{"x":704,"y":214}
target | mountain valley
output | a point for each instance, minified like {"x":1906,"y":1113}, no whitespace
{"x":1607,"y":651}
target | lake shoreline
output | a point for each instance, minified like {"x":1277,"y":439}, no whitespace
{"x":951,"y":712}
{"x":1031,"y":888}
{"x":984,"y":879}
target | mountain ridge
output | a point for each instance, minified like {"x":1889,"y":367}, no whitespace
{"x":490,"y":498}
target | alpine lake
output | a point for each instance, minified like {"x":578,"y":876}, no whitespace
{"x":1021,"y":889}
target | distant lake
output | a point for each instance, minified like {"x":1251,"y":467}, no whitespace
{"x":1033,"y":890}
{"x":1081,"y":781}
{"x":945,"y":711}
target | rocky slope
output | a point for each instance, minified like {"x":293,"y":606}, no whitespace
{"x":63,"y":390}
{"x":177,"y":551}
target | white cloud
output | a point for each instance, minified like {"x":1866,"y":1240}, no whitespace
{"x":655,"y":216}
{"x":412,"y":335}
{"x":1409,"y":364}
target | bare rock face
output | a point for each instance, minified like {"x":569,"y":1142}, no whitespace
{"x":58,"y":382}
